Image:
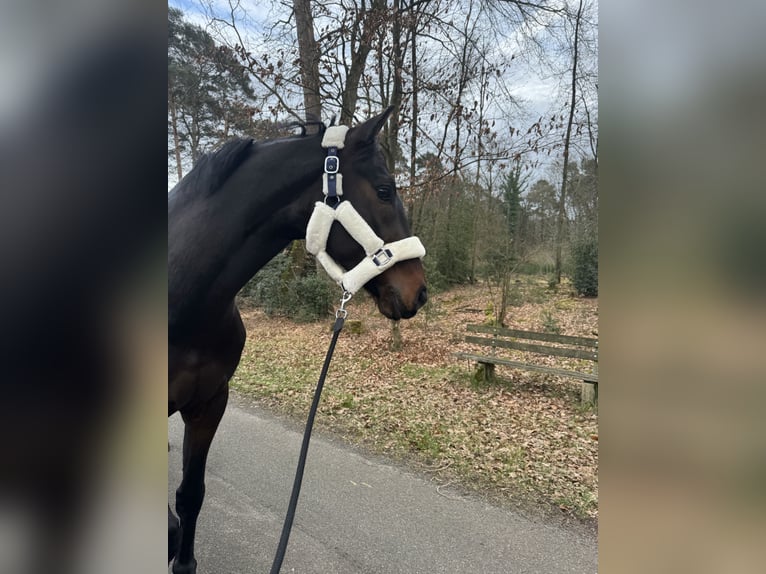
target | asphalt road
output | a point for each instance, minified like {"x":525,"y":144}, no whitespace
{"x":357,"y":514}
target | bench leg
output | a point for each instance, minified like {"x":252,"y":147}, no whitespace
{"x":589,"y":393}
{"x":485,"y":373}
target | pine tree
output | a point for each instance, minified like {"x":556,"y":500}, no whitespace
{"x":209,"y":91}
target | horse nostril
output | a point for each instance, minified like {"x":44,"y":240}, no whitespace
{"x":422,"y":297}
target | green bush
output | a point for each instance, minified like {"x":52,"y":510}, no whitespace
{"x":311,"y":298}
{"x":266,"y":289}
{"x":278,"y":291}
{"x":585,"y":267}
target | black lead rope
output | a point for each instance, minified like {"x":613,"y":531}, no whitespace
{"x":275,"y":567}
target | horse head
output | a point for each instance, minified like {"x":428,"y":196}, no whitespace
{"x":401,"y":289}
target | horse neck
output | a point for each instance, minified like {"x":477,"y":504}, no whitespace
{"x":260,"y":209}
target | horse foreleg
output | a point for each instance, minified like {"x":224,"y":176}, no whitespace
{"x":174,"y":529}
{"x":199,"y":431}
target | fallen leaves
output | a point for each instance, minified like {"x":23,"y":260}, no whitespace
{"x":524,"y":438}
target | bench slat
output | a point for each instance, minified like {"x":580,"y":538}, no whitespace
{"x":590,"y":377}
{"x":549,"y":337}
{"x":540,"y":349}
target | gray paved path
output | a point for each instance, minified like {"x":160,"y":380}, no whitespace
{"x":356,"y":514}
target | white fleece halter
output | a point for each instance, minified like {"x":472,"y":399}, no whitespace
{"x":379,"y":255}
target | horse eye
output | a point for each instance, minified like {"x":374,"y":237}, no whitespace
{"x":385,"y":192}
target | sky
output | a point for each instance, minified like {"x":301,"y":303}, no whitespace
{"x":537,"y":91}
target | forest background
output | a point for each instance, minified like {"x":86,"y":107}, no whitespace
{"x":493,"y":140}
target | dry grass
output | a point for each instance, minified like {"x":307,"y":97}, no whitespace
{"x":523,"y":440}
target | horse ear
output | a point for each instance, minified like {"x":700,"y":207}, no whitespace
{"x":367,"y":132}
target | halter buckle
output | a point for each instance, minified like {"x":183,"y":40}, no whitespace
{"x":331,"y":164}
{"x":382,"y":256}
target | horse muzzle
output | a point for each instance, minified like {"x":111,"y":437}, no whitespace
{"x":401,"y":291}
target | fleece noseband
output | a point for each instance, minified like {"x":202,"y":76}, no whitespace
{"x":379,"y":255}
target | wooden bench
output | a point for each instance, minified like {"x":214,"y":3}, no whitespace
{"x":583,"y":348}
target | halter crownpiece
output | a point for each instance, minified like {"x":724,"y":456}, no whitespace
{"x":379,"y":254}
{"x":332,"y":179}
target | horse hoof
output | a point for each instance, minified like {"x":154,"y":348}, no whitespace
{"x":189,"y":568}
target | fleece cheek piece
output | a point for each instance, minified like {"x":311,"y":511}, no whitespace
{"x":358,"y":228}
{"x":366,"y":269}
{"x":379,"y":255}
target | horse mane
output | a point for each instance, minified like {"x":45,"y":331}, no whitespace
{"x":214,"y":168}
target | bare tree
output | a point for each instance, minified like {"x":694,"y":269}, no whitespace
{"x":567,"y":141}
{"x":449,"y":69}
{"x":173,"y":111}
{"x":309,"y":55}
{"x":364,"y":26}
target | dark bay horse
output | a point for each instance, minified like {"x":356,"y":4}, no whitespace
{"x":231,"y":214}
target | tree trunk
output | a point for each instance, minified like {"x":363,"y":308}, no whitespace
{"x":414,"y":132}
{"x":308,"y":52}
{"x":462,"y":84}
{"x":176,"y":139}
{"x":195,"y":134}
{"x":396,"y":92}
{"x":361,"y":43}
{"x":567,"y":138}
{"x":477,"y":200}
{"x":396,"y":336}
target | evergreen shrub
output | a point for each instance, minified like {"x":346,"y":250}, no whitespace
{"x":585,"y":267}
{"x":278,"y":291}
